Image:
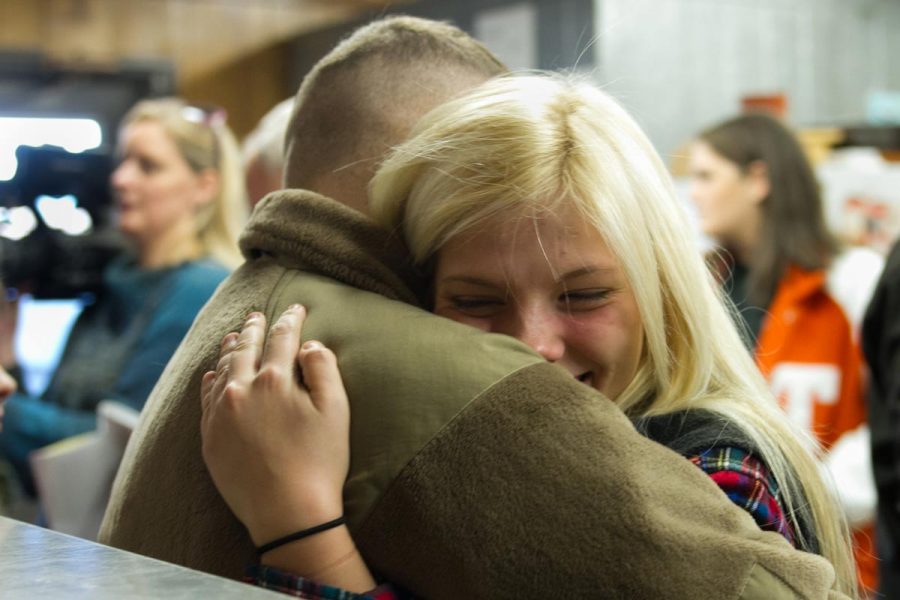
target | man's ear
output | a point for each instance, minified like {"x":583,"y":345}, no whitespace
{"x":757,"y":177}
{"x":208,"y":183}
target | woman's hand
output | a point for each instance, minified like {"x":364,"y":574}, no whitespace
{"x":277,"y":448}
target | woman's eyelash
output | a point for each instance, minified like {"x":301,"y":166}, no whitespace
{"x":473,"y":302}
{"x":585,"y":295}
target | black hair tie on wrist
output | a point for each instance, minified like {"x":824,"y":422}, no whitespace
{"x":299,"y":535}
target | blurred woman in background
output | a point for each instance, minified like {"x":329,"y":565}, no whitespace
{"x":180,"y":199}
{"x":800,"y":295}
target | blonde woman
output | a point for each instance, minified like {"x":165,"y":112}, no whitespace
{"x":541,"y":211}
{"x":180,"y":203}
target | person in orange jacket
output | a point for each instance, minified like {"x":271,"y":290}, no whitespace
{"x":800,"y":296}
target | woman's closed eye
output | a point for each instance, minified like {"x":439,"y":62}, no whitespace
{"x":147,"y":165}
{"x":584,"y":299}
{"x":477,"y":306}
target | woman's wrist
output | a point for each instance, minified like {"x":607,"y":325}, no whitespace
{"x":299,"y":535}
{"x":295,"y":512}
{"x":329,"y":557}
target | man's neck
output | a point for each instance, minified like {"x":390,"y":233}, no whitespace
{"x":347,"y":192}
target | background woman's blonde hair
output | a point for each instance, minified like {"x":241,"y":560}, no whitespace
{"x":205,"y":142}
{"x":530,"y":146}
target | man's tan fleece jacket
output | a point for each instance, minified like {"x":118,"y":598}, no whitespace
{"x":478,"y":470}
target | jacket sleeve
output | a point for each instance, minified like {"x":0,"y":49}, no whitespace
{"x":848,"y":466}
{"x":847,"y":461}
{"x":540,"y":484}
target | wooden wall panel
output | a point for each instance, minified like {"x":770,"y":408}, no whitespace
{"x":232,"y":53}
{"x":246,"y":88}
{"x":199,"y":36}
{"x":20,"y":25}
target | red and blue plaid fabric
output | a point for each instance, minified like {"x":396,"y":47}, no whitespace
{"x":746,"y":481}
{"x":293,"y":585}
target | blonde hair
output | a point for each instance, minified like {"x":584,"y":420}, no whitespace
{"x":532,"y":145}
{"x":205,"y":142}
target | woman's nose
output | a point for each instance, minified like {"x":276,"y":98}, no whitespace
{"x":695,"y":191}
{"x":120,"y":176}
{"x":540,"y":330}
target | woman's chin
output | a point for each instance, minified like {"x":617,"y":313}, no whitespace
{"x":128,"y":227}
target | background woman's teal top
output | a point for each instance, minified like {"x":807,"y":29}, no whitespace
{"x":117,"y":350}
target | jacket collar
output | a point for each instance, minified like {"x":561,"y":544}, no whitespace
{"x":304,"y":230}
{"x":797,"y":285}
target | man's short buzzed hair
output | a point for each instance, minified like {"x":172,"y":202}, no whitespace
{"x":365,"y":95}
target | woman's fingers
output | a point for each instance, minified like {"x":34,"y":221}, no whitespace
{"x":283,"y":340}
{"x":206,"y":386}
{"x":244,"y":357}
{"x":223,"y":368}
{"x":251,"y":358}
{"x":225,"y":348}
{"x":321,"y":375}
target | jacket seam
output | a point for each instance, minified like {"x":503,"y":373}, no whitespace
{"x":284,"y":280}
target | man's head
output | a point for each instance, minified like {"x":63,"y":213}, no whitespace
{"x":367,"y":93}
{"x":263,"y":152}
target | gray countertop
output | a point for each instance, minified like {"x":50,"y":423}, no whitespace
{"x":39,"y":563}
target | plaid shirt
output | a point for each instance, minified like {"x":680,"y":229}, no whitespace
{"x":746,"y":481}
{"x":294,"y":585}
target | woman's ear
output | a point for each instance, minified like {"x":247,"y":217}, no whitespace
{"x":758,"y":180}
{"x":208,"y":182}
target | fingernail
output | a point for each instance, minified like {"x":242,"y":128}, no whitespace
{"x":313,"y":345}
{"x":296,"y":308}
{"x":253,"y":316}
